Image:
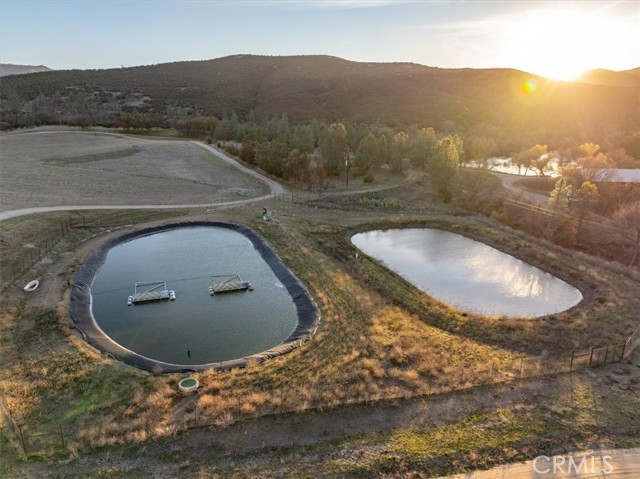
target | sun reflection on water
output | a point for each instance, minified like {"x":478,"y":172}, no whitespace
{"x":467,"y":274}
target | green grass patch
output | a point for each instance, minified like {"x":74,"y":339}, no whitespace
{"x":494,"y":429}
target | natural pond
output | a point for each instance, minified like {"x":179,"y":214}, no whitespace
{"x":467,"y":274}
{"x":197,"y":328}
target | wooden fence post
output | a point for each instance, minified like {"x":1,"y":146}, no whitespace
{"x":62,"y":437}
{"x":571,"y":364}
{"x":624,"y":346}
{"x":591,"y":357}
{"x":24,"y":447}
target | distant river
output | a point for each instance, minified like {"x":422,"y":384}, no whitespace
{"x":467,"y":274}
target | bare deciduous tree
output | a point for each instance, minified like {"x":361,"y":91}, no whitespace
{"x":627,"y":218}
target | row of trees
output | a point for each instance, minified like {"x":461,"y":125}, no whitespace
{"x":588,"y":157}
{"x":309,"y":153}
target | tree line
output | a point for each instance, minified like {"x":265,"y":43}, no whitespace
{"x":310,"y":152}
{"x":583,"y":210}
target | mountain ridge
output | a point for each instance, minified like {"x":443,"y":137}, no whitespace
{"x":7,"y":69}
{"x":330,"y":88}
{"x":603,"y":76}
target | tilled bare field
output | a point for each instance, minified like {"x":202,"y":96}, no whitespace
{"x":73,"y":168}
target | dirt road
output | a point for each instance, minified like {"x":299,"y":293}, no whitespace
{"x":276,"y":188}
{"x":509,"y":183}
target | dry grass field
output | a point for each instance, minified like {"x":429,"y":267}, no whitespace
{"x":46,"y":168}
{"x":394,"y":383}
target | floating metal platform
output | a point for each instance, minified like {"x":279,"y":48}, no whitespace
{"x":150,"y":291}
{"x":232,"y":283}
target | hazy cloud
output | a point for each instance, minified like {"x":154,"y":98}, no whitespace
{"x":339,"y":4}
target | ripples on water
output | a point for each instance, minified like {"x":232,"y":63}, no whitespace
{"x":212,"y":328}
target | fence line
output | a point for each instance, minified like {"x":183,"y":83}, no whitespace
{"x":12,"y":425}
{"x":632,"y":343}
{"x":23,"y":259}
{"x":524,"y":367}
{"x":29,"y":441}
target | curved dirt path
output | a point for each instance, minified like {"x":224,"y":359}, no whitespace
{"x":275,"y":187}
{"x":509,"y":183}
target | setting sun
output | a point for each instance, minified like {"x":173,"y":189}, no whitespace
{"x":561,"y":44}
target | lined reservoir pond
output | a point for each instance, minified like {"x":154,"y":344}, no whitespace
{"x":466,"y":274}
{"x":196,"y":328}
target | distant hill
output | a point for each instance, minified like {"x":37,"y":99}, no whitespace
{"x":330,"y":88}
{"x":601,"y":76}
{"x":7,"y":69}
{"x":633,"y":71}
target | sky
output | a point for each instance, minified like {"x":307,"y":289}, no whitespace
{"x":558,"y":39}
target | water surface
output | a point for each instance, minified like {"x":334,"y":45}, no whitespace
{"x":467,"y":274}
{"x":212,"y":328}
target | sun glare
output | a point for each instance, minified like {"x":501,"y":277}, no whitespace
{"x":562,"y":44}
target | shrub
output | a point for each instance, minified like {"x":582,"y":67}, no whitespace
{"x":383,"y":203}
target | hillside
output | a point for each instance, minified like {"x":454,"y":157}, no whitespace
{"x":7,"y":69}
{"x":601,"y":76}
{"x":329,"y":88}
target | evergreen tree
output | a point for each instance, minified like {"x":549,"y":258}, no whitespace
{"x":334,"y":148}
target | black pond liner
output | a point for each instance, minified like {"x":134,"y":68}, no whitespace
{"x":82,"y":315}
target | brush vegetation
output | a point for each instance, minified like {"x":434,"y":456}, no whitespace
{"x":381,"y":348}
{"x":307,"y":88}
{"x":380,"y":339}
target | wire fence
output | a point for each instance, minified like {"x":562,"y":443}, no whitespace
{"x":30,"y":440}
{"x":46,"y":439}
{"x":22,"y":259}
